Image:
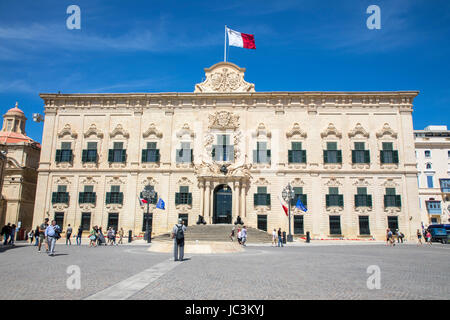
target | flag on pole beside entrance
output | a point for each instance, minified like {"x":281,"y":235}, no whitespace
{"x":161,"y":204}
{"x":239,"y":39}
{"x":300,"y":205}
{"x":142,"y":201}
{"x":284,"y":207}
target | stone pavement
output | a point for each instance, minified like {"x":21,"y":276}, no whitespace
{"x":325,"y":271}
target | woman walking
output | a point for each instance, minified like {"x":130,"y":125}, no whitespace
{"x":429,"y":237}
{"x":93,"y":237}
{"x":31,"y":236}
{"x":419,"y":237}
{"x":36,"y":236}
{"x":120,"y":235}
{"x":274,"y":238}
{"x":101,"y":237}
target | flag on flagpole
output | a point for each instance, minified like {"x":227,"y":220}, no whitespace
{"x":142,"y":201}
{"x":241,"y":40}
{"x":284,"y":207}
{"x":300,"y":205}
{"x":161,"y":204}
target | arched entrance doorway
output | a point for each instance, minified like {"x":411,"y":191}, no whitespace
{"x":222,"y":204}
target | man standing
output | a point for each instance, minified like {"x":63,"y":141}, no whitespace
{"x":79,"y":234}
{"x":42,"y":229}
{"x":69,"y":234}
{"x":121,"y":235}
{"x":52,"y":234}
{"x":280,"y":240}
{"x":178,"y":240}
{"x":6,"y":230}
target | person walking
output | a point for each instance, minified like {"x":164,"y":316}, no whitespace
{"x":178,"y":240}
{"x":419,"y":237}
{"x":121,"y":235}
{"x":52,"y":234}
{"x":424,"y":232}
{"x":390,"y":238}
{"x":69,"y":234}
{"x":239,"y":236}
{"x":36,"y":236}
{"x":110,"y":236}
{"x":79,"y":235}
{"x":31,"y":236}
{"x":274,"y":238}
{"x":42,"y":229}
{"x":113,"y":234}
{"x":6,"y":231}
{"x":93,"y":237}
{"x":100,"y":236}
{"x":428,"y":237}
{"x":12,"y":235}
{"x":232,"y":234}
{"x":280,"y":240}
{"x":244,"y":235}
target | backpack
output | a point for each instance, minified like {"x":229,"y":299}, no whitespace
{"x":57,"y":232}
{"x":180,"y":232}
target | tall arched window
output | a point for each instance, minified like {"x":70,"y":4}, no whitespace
{"x":428,"y":166}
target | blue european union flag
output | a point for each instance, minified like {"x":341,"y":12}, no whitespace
{"x":161,"y":205}
{"x":300,"y":205}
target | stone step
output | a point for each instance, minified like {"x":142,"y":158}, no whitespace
{"x":217,"y":232}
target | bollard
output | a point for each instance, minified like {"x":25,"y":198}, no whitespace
{"x":130,"y":236}
{"x":307,"y":237}
{"x":284,"y":237}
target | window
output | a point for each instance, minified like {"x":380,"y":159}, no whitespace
{"x":184,"y":155}
{"x":298,"y":191}
{"x":445,"y":185}
{"x":388,"y":154}
{"x":184,"y":196}
{"x":146,"y":217}
{"x":9,"y":127}
{"x":296,"y":154}
{"x":86,"y":221}
{"x":88,"y":196}
{"x":117,"y":154}
{"x":434,"y":207}
{"x":223,"y":151}
{"x":261,"y":154}
{"x":59,"y":218}
{"x":261,"y":198}
{"x":115,"y":196}
{"x":113,"y":221}
{"x":90,"y":154}
{"x":427,"y":153}
{"x":333,"y":198}
{"x":335,"y":225}
{"x":448,"y":153}
{"x":430,"y":181}
{"x":391,"y":199}
{"x":332,"y":155}
{"x":65,"y":153}
{"x":262,"y":222}
{"x":393,"y":223}
{"x":362,"y":199}
{"x":360,"y":155}
{"x":364,"y":225}
{"x":298,"y":225}
{"x":151,"y":154}
{"x":428,"y":166}
{"x":61,"y":195}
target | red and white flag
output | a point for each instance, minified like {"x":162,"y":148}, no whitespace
{"x":239,"y":39}
{"x":284,"y":207}
{"x":142,"y":201}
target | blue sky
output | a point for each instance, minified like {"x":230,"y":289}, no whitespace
{"x":160,"y":46}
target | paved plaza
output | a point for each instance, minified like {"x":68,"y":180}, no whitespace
{"x":316,"y":271}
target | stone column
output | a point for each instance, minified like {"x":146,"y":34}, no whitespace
{"x":235,"y":201}
{"x":242,"y":196}
{"x":202,"y":195}
{"x":207,"y":195}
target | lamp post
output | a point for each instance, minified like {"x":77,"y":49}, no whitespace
{"x":148,"y":193}
{"x":288,"y":195}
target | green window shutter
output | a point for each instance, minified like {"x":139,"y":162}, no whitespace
{"x":213,"y":153}
{"x":384,"y":202}
{"x":395,"y":156}
{"x":81,"y":197}
{"x":255,"y":156}
{"x":296,"y":145}
{"x":356,"y":201}
{"x":369,"y":200}
{"x":398,"y":201}
{"x":268,"y":199}
{"x":54,"y":197}
{"x":70,"y":156}
{"x":110,"y":155}
{"x":341,"y":200}
{"x":84,"y":155}
{"x":255,"y":199}
{"x":189,"y":198}
{"x":339,"y":156}
{"x":268,"y":155}
{"x":192,"y":155}
{"x":303,"y":156}
{"x":177,"y":198}
{"x":353,"y":156}
{"x":381,"y":156}
{"x":290,"y":156}
{"x":58,"y":156}
{"x":144,"y":155}
{"x":158,"y":156}
{"x":124,"y":155}
{"x":121,"y":197}
{"x":367,"y":155}
{"x":325,"y":156}
{"x":327,"y":200}
{"x":304,"y":199}
{"x":108,"y":198}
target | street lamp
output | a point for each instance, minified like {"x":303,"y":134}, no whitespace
{"x":288,"y":195}
{"x":148,"y":194}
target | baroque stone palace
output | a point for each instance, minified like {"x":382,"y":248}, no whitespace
{"x":225,"y":151}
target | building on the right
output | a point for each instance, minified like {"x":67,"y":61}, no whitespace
{"x":433,"y":165}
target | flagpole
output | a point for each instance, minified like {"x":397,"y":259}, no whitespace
{"x":225,"y":46}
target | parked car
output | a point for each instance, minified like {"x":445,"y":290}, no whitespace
{"x":439,"y":235}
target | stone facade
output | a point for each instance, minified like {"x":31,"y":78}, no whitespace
{"x":223,"y":122}
{"x":433,"y":163}
{"x":20,"y":171}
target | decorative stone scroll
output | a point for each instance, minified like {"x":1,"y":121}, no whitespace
{"x":67,"y":130}
{"x":386,"y":130}
{"x":358,"y":130}
{"x":119,"y":131}
{"x":152,"y":131}
{"x":92,"y":130}
{"x":223,"y":120}
{"x":331,"y":130}
{"x":296,"y":131}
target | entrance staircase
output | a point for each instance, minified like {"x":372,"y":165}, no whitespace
{"x":218,"y":232}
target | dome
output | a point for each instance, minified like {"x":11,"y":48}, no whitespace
{"x":15,"y":111}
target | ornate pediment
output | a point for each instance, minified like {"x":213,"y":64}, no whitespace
{"x":223,"y":120}
{"x":390,"y":183}
{"x":333,"y":182}
{"x":118,"y":130}
{"x":386,"y":130}
{"x":88,"y":181}
{"x":215,"y":169}
{"x":93,"y":131}
{"x":62,"y":180}
{"x":331,"y":130}
{"x":262,"y":131}
{"x":185,"y":130}
{"x":115,"y":180}
{"x":297,"y":182}
{"x":358,"y":130}
{"x":296,"y":131}
{"x":184,"y":182}
{"x":262,"y":182}
{"x":152,"y":131}
{"x":149,"y":181}
{"x":224,"y":77}
{"x":67,"y":130}
{"x":361,"y":182}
